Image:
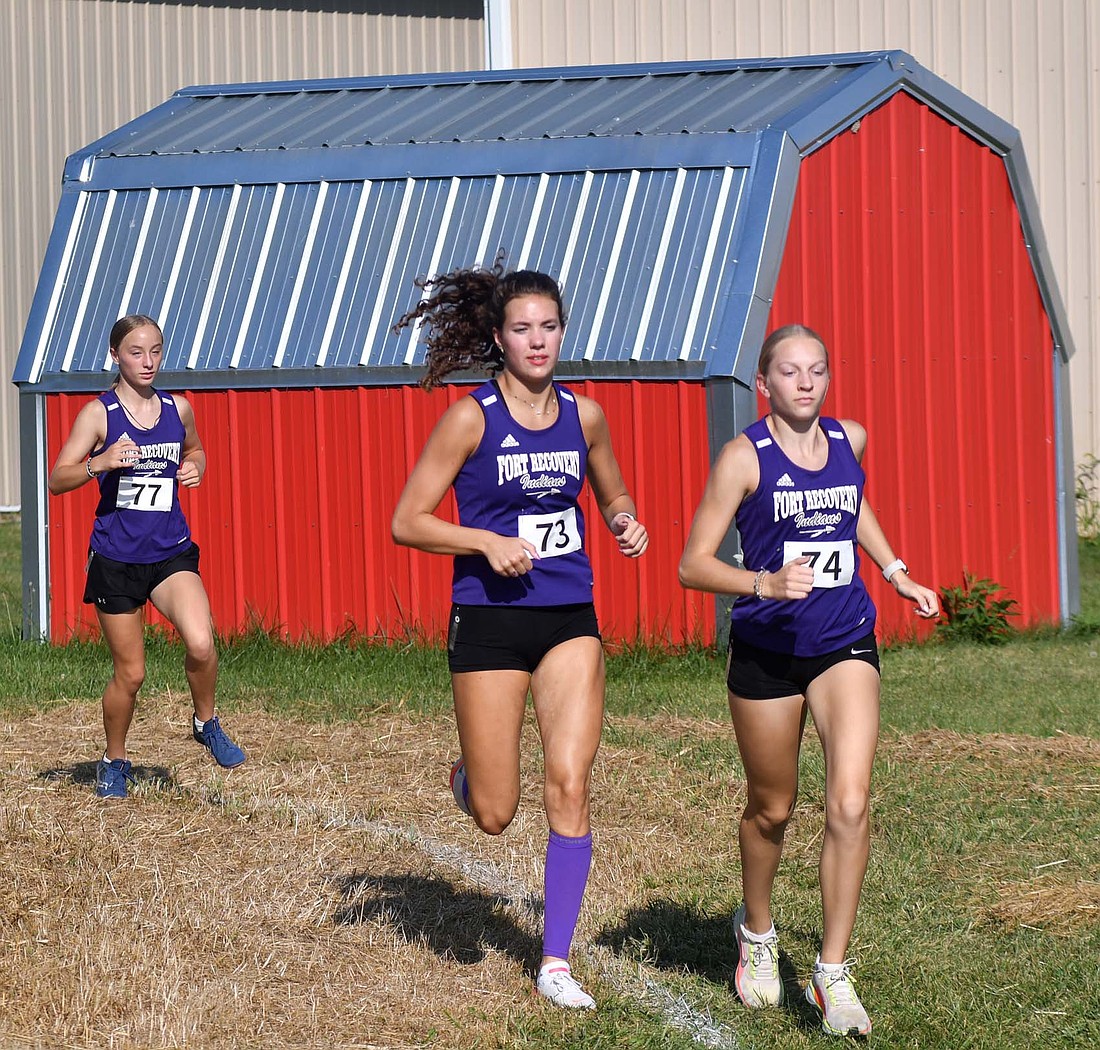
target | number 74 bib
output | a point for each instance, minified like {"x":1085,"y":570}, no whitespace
{"x":834,"y":564}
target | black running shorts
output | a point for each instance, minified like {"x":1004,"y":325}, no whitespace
{"x":119,"y":586}
{"x":502,"y":638}
{"x":761,"y":674}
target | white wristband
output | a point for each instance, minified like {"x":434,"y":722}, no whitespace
{"x":893,"y":567}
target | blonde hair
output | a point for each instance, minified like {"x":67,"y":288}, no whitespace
{"x":788,"y":331}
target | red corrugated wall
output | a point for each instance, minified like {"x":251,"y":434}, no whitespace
{"x":906,"y":252}
{"x":293,"y":516}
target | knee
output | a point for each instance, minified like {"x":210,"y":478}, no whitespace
{"x":201,"y":652}
{"x":493,"y":821}
{"x":771,"y":816}
{"x":848,"y":812}
{"x":566,"y":797}
{"x":130,"y":677}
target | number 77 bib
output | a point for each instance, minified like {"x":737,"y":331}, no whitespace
{"x":140,"y":493}
{"x":834,"y":564}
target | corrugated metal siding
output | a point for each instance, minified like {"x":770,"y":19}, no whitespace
{"x":74,"y":70}
{"x":293,"y":515}
{"x":251,"y":277}
{"x":939,"y":346}
{"x":1034,"y":62}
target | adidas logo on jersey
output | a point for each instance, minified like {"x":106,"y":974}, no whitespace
{"x":509,"y":442}
{"x":785,"y":482}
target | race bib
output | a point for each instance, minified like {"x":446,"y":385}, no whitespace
{"x":834,"y":564}
{"x":552,"y":535}
{"x":145,"y":494}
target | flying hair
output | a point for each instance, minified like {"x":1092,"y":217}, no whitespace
{"x":463,"y":309}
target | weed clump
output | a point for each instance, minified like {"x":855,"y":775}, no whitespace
{"x":975,"y":613}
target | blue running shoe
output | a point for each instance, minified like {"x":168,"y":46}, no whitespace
{"x":214,"y":739}
{"x":459,"y":788}
{"x":111,"y":778}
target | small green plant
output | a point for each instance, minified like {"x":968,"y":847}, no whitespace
{"x":974,"y":613}
{"x":1087,"y":495}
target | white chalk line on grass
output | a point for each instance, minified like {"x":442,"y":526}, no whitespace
{"x":628,"y":979}
{"x":677,"y":1012}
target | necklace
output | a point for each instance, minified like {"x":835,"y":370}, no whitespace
{"x":551,"y":405}
{"x":133,"y":418}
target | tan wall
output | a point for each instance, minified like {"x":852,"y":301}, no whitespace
{"x":75,"y":69}
{"x":1036,"y":63}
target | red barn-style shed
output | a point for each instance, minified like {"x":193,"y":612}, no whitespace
{"x":275,"y":231}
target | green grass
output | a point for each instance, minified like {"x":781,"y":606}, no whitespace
{"x":964,"y":827}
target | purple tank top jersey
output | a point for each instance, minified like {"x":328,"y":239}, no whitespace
{"x":795,"y":512}
{"x":139,"y":519}
{"x":521,"y":482}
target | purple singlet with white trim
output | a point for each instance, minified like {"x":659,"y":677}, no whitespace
{"x":521,"y":482}
{"x":139,"y":519}
{"x":796,"y":512}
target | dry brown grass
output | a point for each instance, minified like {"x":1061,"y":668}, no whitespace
{"x":328,"y":893}
{"x":219,"y":910}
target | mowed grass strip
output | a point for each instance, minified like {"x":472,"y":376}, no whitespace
{"x":293,"y":902}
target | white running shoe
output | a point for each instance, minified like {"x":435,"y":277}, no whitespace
{"x":557,"y":983}
{"x":833,"y":993}
{"x":459,"y":788}
{"x":756,"y":975}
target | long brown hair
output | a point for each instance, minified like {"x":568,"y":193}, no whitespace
{"x":464,"y":309}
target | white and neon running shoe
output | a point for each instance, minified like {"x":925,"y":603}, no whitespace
{"x":557,"y":983}
{"x":832,"y":992}
{"x":756,"y":976}
{"x":459,"y":788}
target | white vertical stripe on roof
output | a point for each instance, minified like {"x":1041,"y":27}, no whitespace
{"x":657,"y":276}
{"x":350,"y":255}
{"x":391,"y":260}
{"x":303,"y":271}
{"x":490,"y":218}
{"x":58,"y":286}
{"x":213,"y":288}
{"x":575,"y":232}
{"x":612,"y":264}
{"x":433,"y":264}
{"x":89,"y":279}
{"x":258,"y":274}
{"x":708,"y":261}
{"x":533,"y":224}
{"x":136,"y":263}
{"x":181,"y":254}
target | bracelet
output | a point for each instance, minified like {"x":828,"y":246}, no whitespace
{"x":88,"y":467}
{"x":757,"y":584}
{"x":626,"y":514}
{"x":893,"y":567}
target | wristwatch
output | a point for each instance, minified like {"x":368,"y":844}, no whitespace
{"x":893,"y":567}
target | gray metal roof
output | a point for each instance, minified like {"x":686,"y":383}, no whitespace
{"x":275,"y":230}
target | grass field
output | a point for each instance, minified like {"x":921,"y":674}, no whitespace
{"x":328,"y":894}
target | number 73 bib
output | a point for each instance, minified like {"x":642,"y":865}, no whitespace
{"x":834,"y":564}
{"x":552,"y":535}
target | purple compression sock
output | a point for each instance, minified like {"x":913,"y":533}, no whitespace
{"x":567,"y":864}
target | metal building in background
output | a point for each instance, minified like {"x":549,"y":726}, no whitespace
{"x":276,"y":231}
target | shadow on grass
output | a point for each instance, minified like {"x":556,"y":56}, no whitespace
{"x":160,"y":777}
{"x":678,"y":938}
{"x":455,"y":924}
